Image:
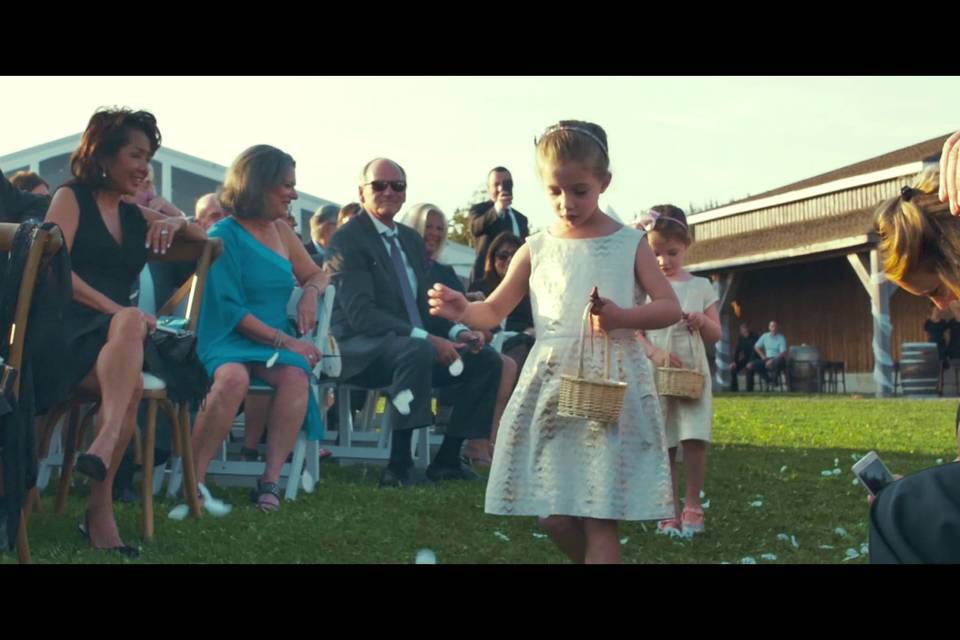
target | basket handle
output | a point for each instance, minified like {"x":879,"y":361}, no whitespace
{"x":606,"y":354}
{"x":696,"y":348}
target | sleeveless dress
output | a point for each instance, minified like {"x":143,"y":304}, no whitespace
{"x":545,"y":464}
{"x":106,"y":266}
{"x":687,"y":419}
{"x":248,"y":278}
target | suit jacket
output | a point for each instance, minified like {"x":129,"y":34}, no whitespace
{"x":17,"y":206}
{"x":368,"y":309}
{"x":311,"y":248}
{"x":486,"y":225}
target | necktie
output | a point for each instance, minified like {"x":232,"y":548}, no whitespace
{"x":408,"y":300}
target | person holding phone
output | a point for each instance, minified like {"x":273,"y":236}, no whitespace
{"x":492,"y":217}
{"x":917,"y":519}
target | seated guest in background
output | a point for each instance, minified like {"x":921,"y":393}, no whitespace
{"x":431,"y":223}
{"x":322,"y":225}
{"x":745,"y":357}
{"x":772,"y":349}
{"x":209,"y":211}
{"x":17,"y":205}
{"x":935,"y":327}
{"x":109,"y":242}
{"x":347,"y":212}
{"x":291,"y":221}
{"x":389,"y":339}
{"x":520,"y":319}
{"x":30,"y":182}
{"x":492,"y":217}
{"x":243,"y":319}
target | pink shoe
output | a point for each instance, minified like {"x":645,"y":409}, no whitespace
{"x":664,"y":527}
{"x":692,"y":520}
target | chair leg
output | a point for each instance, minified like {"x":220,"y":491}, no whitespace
{"x":189,"y":471}
{"x":296,"y":466}
{"x":69,"y":460}
{"x":146,"y":492}
{"x":23,"y":542}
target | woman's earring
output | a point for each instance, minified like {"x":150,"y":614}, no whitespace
{"x":103,"y":173}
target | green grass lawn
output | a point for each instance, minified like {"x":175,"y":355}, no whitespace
{"x":768,"y":451}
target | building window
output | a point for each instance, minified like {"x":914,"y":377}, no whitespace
{"x":158,"y":177}
{"x":56,"y":170}
{"x":187,"y":187}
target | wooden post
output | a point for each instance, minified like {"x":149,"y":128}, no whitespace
{"x":880,"y":290}
{"x":726,"y":288}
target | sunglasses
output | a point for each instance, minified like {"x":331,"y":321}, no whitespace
{"x":503,"y":255}
{"x":399,"y":186}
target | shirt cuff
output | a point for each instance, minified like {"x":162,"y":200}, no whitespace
{"x":419,"y":333}
{"x":455,"y":331}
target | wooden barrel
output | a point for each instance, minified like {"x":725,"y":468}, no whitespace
{"x":919,"y":368}
{"x":803,"y":367}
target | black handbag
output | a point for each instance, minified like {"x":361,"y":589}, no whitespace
{"x":171,"y":355}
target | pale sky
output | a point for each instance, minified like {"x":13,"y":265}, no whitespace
{"x":672,"y":139}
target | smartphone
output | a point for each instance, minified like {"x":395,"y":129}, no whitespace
{"x":872,"y":473}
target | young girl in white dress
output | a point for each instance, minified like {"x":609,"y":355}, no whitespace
{"x":579,"y":477}
{"x":688,"y":422}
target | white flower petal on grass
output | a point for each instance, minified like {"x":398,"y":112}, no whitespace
{"x":768,"y":556}
{"x":539,"y":536}
{"x":756,"y":503}
{"x":724,"y":562}
{"x":836,"y":472}
{"x":307,"y":481}
{"x":826,"y":473}
{"x":624,"y":540}
{"x":425,"y":556}
{"x":179,"y":512}
{"x":939,"y":460}
{"x":826,"y":546}
{"x":783,"y":468}
{"x":783,"y":537}
{"x":855,"y":482}
{"x":851,"y":555}
{"x":836,"y":462}
{"x":864,"y":549}
{"x":502,"y":536}
{"x":840,"y":531}
{"x":748,"y":560}
{"x":854,"y":456}
{"x":642,"y":526}
{"x":705,"y":504}
{"x":793,"y":541}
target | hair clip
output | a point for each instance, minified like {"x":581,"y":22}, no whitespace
{"x":647,"y":220}
{"x":906,"y":193}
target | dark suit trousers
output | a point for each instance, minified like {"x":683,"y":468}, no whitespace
{"x":410,"y":363}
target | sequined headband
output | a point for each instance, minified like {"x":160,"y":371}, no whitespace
{"x":563,"y":127}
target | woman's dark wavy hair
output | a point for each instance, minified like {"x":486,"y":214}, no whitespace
{"x":490,"y":275}
{"x":108,"y":130}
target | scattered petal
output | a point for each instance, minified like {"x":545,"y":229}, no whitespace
{"x":836,"y":462}
{"x":939,"y":460}
{"x":756,"y":503}
{"x":179,"y":512}
{"x":705,"y":504}
{"x":783,"y":468}
{"x":826,"y":546}
{"x":836,"y":472}
{"x":642,"y":526}
{"x":307,"y":481}
{"x":702,"y":494}
{"x":854,"y":456}
{"x":502,"y":536}
{"x":851,"y":555}
{"x":425,"y":556}
{"x":539,"y":536}
{"x":840,"y":531}
{"x":724,"y":562}
{"x":826,"y":473}
{"x":783,"y":537}
{"x":768,"y":556}
{"x":864,"y":549}
{"x":748,"y":560}
{"x":855,"y":481}
{"x":793,"y":541}
{"x":624,"y":540}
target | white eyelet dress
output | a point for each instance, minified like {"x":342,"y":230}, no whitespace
{"x":545,"y":464}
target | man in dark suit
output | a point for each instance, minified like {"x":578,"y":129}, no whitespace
{"x":323,"y":223}
{"x":495,"y":216}
{"x":389,"y":339}
{"x":17,"y":206}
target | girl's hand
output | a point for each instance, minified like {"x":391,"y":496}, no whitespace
{"x":606,"y":315}
{"x":160,"y":233}
{"x":695,"y":320}
{"x":446,"y":303}
{"x":659,"y":355}
{"x":307,"y":310}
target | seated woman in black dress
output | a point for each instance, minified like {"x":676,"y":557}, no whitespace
{"x":917,"y":519}
{"x":520,"y":319}
{"x":109,"y":241}
{"x":431,"y":223}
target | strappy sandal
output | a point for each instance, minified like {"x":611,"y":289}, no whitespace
{"x":259,"y":496}
{"x":692,"y":521}
{"x":665,"y":527}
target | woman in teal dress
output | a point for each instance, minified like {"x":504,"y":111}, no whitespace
{"x":243,"y":320}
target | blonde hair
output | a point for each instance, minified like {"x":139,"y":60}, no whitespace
{"x":917,"y":233}
{"x":416,"y":217}
{"x":575,"y":141}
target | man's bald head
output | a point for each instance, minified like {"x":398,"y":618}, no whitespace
{"x":376,"y":163}
{"x":209,"y":211}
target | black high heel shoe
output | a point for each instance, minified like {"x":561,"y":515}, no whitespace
{"x":84,"y":528}
{"x":91,"y":466}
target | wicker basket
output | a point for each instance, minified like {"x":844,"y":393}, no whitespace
{"x":595,"y":400}
{"x":682,"y":383}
